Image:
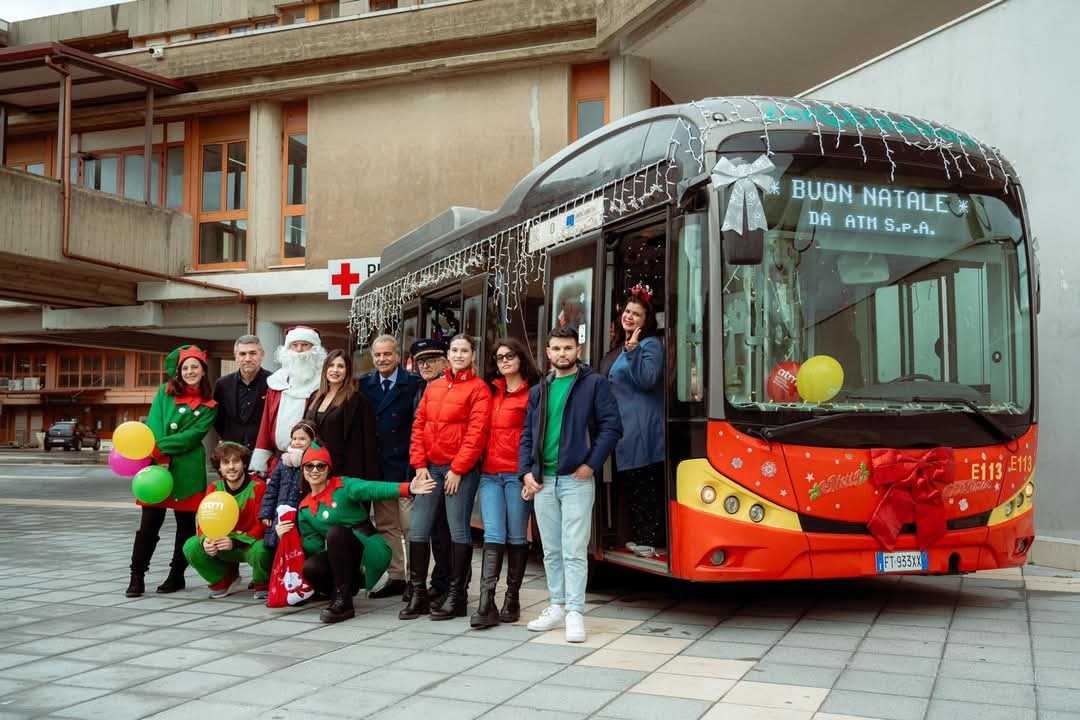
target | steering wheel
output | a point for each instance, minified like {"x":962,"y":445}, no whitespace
{"x":914,"y":376}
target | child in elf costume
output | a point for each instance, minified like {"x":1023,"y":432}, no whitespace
{"x":339,"y":538}
{"x":182,"y":413}
{"x":283,"y":487}
{"x":217,"y":559}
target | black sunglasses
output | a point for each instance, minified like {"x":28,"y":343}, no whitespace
{"x":506,"y":356}
{"x":316,"y":466}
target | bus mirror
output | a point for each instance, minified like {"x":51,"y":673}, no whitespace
{"x":745,"y":248}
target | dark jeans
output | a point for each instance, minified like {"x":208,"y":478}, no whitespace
{"x":458,"y":507}
{"x":643,"y":490}
{"x":152,"y":520}
{"x":339,"y":564}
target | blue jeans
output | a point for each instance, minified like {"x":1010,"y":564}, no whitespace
{"x":564,"y":514}
{"x":458,"y":507}
{"x":506,"y":515}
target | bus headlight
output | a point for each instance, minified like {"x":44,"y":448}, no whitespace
{"x":1008,"y":508}
{"x":1019,"y":500}
{"x":708,"y":494}
{"x":1029,"y":489}
{"x":731,"y":504}
{"x":757,"y":513}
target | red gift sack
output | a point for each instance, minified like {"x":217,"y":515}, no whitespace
{"x":287,"y":584}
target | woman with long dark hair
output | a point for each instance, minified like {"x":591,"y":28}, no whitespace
{"x":635,"y":369}
{"x":182,"y":413}
{"x":344,"y":420}
{"x":505,"y":512}
{"x":448,"y":438}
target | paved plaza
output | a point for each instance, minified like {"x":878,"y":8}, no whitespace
{"x":993,"y":645}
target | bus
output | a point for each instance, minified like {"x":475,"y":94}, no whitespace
{"x":845,"y":296}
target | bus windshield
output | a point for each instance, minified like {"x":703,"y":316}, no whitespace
{"x":916,"y":285}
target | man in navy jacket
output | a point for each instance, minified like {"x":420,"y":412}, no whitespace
{"x":391,"y":390}
{"x":571,"y":427}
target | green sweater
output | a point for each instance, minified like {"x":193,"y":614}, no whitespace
{"x":179,"y":432}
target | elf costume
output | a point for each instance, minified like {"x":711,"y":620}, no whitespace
{"x":220,"y":570}
{"x":339,"y":538}
{"x":179,"y":423}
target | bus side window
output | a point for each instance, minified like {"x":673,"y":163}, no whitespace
{"x":689,"y":327}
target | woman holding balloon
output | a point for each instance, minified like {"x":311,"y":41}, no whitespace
{"x":182,"y":413}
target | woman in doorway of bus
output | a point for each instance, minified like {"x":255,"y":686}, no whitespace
{"x":506,"y":514}
{"x":635,"y":368}
{"x":182,"y":413}
{"x":344,"y":421}
{"x":448,"y":438}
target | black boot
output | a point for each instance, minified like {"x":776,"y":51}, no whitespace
{"x":406,"y":596}
{"x":517,"y":558}
{"x":457,"y":597}
{"x":419,"y":555}
{"x":175,"y":580}
{"x":141,"y":552}
{"x":340,"y":607}
{"x":487,"y":612}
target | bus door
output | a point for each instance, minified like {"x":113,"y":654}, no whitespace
{"x":634,"y":516}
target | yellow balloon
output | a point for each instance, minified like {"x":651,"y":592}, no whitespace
{"x":218,"y":513}
{"x":819,"y":379}
{"x":133,"y":440}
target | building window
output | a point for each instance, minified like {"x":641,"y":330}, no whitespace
{"x":87,"y":369}
{"x":34,"y":168}
{"x":294,"y":187}
{"x":203,"y":34}
{"x":223,"y":206}
{"x":123,"y":173}
{"x":68,"y":375}
{"x":293,"y":16}
{"x":265,"y":24}
{"x":589,"y":99}
{"x":29,"y":368}
{"x":328,"y":10}
{"x":150,"y":370}
{"x":377,"y":5}
{"x":239,"y":29}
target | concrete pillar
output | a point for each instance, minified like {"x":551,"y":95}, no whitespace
{"x":629,"y":86}
{"x":264,"y":184}
{"x":271,"y":335}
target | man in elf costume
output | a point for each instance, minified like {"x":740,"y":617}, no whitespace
{"x":217,"y":559}
{"x":301,"y":358}
{"x":339,"y":538}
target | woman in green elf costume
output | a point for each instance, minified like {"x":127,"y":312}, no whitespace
{"x":182,"y":413}
{"x":339,"y":538}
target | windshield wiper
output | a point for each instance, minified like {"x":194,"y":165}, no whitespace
{"x":977,"y":412}
{"x":771,"y":432}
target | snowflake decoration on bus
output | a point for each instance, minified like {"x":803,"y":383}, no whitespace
{"x":768,"y":469}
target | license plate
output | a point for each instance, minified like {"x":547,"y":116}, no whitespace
{"x":909,"y":561}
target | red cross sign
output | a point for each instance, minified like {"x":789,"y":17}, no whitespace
{"x":345,"y":275}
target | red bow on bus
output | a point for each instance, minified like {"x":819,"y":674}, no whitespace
{"x":914,"y":485}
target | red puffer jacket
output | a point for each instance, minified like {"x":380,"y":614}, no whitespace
{"x":451,"y":422}
{"x":507,"y":423}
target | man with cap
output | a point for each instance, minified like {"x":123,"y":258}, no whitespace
{"x":391,"y":391}
{"x":301,"y":358}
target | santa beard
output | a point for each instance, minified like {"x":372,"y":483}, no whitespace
{"x":303,"y":367}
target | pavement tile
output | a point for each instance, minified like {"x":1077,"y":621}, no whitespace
{"x":734,"y":711}
{"x":808,"y":656}
{"x":908,"y":632}
{"x":407,"y":638}
{"x":832,"y":627}
{"x":8,"y":687}
{"x":114,"y":677}
{"x":649,"y":644}
{"x":363,"y":655}
{"x":773,"y":695}
{"x":209,"y":709}
{"x":624,"y":659}
{"x":558,"y":637}
{"x":707,"y":667}
{"x":420,"y":706}
{"x":186,"y":684}
{"x":120,"y":706}
{"x":1059,"y":677}
{"x":13,"y":659}
{"x":509,"y":712}
{"x":108,"y":632}
{"x":548,"y":653}
{"x":109,"y":652}
{"x":473,"y":645}
{"x":1054,"y":658}
{"x":680,"y":631}
{"x":493,"y":691}
{"x":301,"y":648}
{"x":339,"y":701}
{"x":889,"y":663}
{"x":890,"y":683}
{"x":452,"y":663}
{"x":907,"y":648}
{"x":638,"y":706}
{"x":994,"y":672}
{"x":341,"y":633}
{"x":986,"y":653}
{"x":230,"y":642}
{"x":684,"y":686}
{"x":820,"y":640}
{"x":998,"y":693}
{"x":47,"y":698}
{"x":50,"y":646}
{"x":548,"y":696}
{"x":622,"y":612}
{"x":177,"y":658}
{"x":32,"y":667}
{"x":315,"y":672}
{"x":727,"y":650}
{"x":263,"y":691}
{"x":917,"y":620}
{"x":598,"y":678}
{"x":246,"y":665}
{"x":758,"y":636}
{"x":758,"y":622}
{"x":873,"y":705}
{"x":784,"y":674}
{"x":680,"y":616}
{"x":1057,"y":698}
{"x":967,"y":710}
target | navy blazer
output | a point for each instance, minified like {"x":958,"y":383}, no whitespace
{"x":393,"y":421}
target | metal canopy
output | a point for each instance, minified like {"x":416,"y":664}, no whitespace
{"x":28,"y":83}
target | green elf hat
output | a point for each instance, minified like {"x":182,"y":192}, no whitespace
{"x":177,"y":357}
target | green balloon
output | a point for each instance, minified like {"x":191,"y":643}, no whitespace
{"x":152,"y":484}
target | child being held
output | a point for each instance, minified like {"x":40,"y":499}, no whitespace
{"x":217,"y":559}
{"x":283,"y":487}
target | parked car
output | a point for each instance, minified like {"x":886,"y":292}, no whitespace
{"x":71,"y":436}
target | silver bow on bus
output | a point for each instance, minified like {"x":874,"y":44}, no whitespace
{"x":744,"y":196}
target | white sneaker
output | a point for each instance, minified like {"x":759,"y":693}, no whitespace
{"x":552,"y":617}
{"x":575,"y":627}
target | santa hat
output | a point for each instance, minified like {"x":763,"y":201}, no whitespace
{"x":302,"y":333}
{"x":177,"y":357}
{"x":315,"y":453}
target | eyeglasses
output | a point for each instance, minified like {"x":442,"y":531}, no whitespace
{"x":506,"y":356}
{"x":425,"y":361}
{"x":316,"y":467}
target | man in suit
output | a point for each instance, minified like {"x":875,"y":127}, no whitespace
{"x":391,"y":391}
{"x":240,"y":395}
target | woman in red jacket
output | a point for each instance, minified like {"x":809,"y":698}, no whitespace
{"x":506,"y":514}
{"x":448,"y":438}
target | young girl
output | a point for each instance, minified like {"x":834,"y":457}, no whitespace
{"x":283,"y":488}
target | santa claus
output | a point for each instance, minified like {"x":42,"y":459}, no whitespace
{"x":301,"y":359}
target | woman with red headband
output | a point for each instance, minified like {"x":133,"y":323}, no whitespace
{"x":182,"y":413}
{"x":635,"y":368}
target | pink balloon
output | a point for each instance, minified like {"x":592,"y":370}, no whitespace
{"x":124,"y":467}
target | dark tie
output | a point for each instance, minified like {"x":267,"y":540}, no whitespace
{"x":385,"y":386}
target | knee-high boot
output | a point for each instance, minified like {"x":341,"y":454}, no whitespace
{"x":185,"y":528}
{"x":419,"y":556}
{"x":457,"y":598}
{"x":141,"y":552}
{"x":517,"y":558}
{"x":487,"y":612}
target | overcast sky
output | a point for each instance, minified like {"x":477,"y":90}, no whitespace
{"x":22,"y":9}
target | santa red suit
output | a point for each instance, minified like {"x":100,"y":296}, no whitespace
{"x":286,"y":399}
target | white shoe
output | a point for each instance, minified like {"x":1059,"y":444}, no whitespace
{"x":551,"y":618}
{"x":575,"y":627}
